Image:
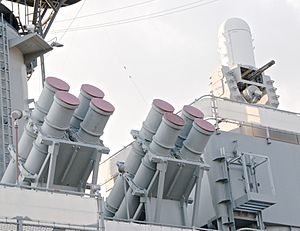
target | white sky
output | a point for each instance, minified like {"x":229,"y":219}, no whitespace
{"x":169,"y":57}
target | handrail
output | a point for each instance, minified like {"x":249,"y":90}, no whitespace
{"x":244,"y":103}
{"x":228,"y":120}
{"x":156,"y":224}
{"x":46,"y":224}
{"x":59,"y":191}
{"x":37,"y":223}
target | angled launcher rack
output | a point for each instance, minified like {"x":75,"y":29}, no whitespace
{"x":60,"y":146}
{"x":63,"y":165}
{"x":162,"y":168}
{"x":169,"y":190}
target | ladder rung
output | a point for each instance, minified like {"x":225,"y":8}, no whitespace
{"x":5,"y":102}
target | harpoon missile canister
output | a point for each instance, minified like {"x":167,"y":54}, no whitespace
{"x":52,"y":85}
{"x":58,"y":118}
{"x":133,"y":161}
{"x":148,"y":130}
{"x":161,"y":145}
{"x":95,"y":120}
{"x":90,"y":131}
{"x":197,"y":139}
{"x":189,"y":114}
{"x":165,"y":137}
{"x":87,"y":92}
{"x":42,"y":106}
{"x":153,"y":120}
{"x":56,"y":123}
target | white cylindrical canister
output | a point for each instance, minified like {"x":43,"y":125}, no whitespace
{"x":161,"y":145}
{"x":136,"y":154}
{"x":58,"y":118}
{"x":189,"y":114}
{"x":42,"y":106}
{"x":197,"y":139}
{"x":87,"y":92}
{"x":166,"y":135}
{"x":153,"y":120}
{"x":56,"y":122}
{"x":95,"y":120}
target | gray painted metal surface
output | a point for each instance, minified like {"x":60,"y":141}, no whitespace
{"x":241,"y":113}
{"x":5,"y":98}
{"x":45,"y":144}
{"x":283,"y":159}
{"x":42,"y":106}
{"x":87,"y":92}
{"x":189,"y":114}
{"x":240,"y":190}
{"x":162,"y":185}
{"x":163,"y":140}
{"x":251,"y":184}
{"x":47,"y":206}
{"x":92,"y":126}
{"x":23,"y":225}
{"x":70,"y":164}
{"x":56,"y":123}
{"x":136,"y":153}
{"x":45,"y":100}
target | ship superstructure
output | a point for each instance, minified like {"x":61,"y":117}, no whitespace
{"x":240,"y":188}
{"x":227,"y":161}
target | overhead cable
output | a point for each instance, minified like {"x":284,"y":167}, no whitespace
{"x":76,"y":15}
{"x":106,"y":11}
{"x":162,"y":13}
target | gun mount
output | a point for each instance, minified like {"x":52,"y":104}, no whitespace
{"x":238,"y":79}
{"x":252,"y":75}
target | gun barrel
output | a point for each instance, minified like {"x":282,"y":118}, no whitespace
{"x":260,"y":70}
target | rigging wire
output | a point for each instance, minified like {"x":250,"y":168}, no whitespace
{"x":107,"y":11}
{"x":135,"y":85}
{"x":72,"y":20}
{"x":65,"y":31}
{"x":161,"y":13}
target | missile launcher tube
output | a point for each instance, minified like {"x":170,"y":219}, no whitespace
{"x":153,"y":120}
{"x":95,"y":120}
{"x":25,"y":145}
{"x":115,"y":197}
{"x":201,"y":131}
{"x":58,"y":118}
{"x":56,"y":122}
{"x":42,"y":106}
{"x":161,"y":145}
{"x":166,"y":135}
{"x":10,"y":174}
{"x":87,"y":92}
{"x":197,"y":139}
{"x":189,"y":114}
{"x":36,"y":158}
{"x":149,"y":128}
{"x":90,"y":131}
{"x":52,"y":85}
